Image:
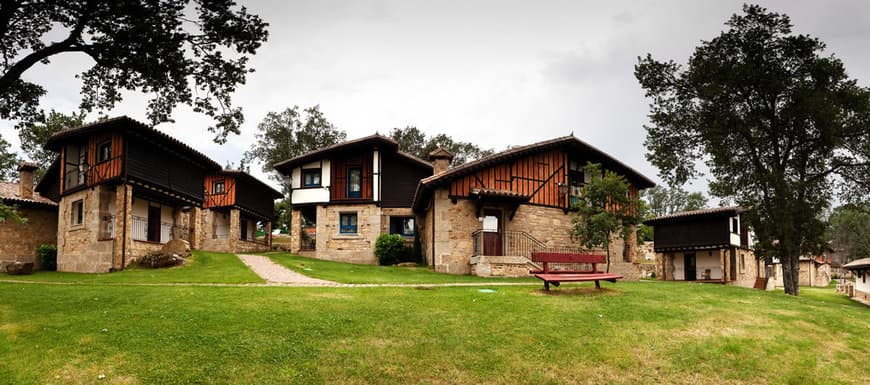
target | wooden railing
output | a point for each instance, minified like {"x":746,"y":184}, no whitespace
{"x":516,"y":243}
{"x":168,"y":231}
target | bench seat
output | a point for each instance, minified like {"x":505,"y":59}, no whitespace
{"x":557,"y":276}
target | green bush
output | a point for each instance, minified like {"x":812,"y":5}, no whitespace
{"x":390,"y":249}
{"x":47,"y":255}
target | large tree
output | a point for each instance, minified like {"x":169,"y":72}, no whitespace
{"x":415,"y":142}
{"x":289,"y":133}
{"x":8,"y":161}
{"x":33,"y":137}
{"x":604,"y":209}
{"x":178,"y":51}
{"x":778,"y":124}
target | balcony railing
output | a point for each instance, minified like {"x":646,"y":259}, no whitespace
{"x":168,"y":231}
{"x":513,"y":243}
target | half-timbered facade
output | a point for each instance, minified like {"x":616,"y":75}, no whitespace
{"x":236,"y":206}
{"x":125,"y":189}
{"x":710,"y":245}
{"x":486,"y":217}
{"x":344,"y":196}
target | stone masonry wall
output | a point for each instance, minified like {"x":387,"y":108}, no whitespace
{"x":19,"y":241}
{"x":454,"y":223}
{"x":78,"y":246}
{"x":352,"y":248}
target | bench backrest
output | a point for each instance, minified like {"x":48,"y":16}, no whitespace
{"x":548,"y":257}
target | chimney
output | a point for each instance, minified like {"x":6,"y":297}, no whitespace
{"x":441,"y":158}
{"x":25,"y":179}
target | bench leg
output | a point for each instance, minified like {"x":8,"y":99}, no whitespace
{"x":546,"y":286}
{"x":597,"y":285}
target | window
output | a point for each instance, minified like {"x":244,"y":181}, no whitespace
{"x":354,"y":182}
{"x":347,"y":223}
{"x":735,"y":228}
{"x":311,"y":177}
{"x":76,"y":161}
{"x":218,"y":187}
{"x":403,"y":226}
{"x":576,"y":179}
{"x":77,"y":214}
{"x":104,"y":151}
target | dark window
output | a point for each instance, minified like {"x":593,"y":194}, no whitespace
{"x":734,"y":227}
{"x":76,"y":161}
{"x":218,"y":187}
{"x":354,"y":182}
{"x":403,"y":226}
{"x":576,"y":180}
{"x":104,"y":151}
{"x":348,"y":223}
{"x":311,"y":177}
{"x":77,"y":214}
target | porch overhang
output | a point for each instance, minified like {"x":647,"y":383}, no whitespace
{"x":509,"y":198}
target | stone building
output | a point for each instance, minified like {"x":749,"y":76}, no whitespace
{"x":19,"y":241}
{"x":124,"y":190}
{"x":860,"y":269}
{"x":709,"y":245}
{"x":236,"y":206}
{"x":344,"y":196}
{"x":486,"y":217}
{"x":812,"y":271}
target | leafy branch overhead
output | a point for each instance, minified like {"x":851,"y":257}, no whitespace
{"x":179,"y":51}
{"x":415,"y":142}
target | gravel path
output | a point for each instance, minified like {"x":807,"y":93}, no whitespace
{"x":275,"y":273}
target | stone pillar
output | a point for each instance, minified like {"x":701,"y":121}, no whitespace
{"x":123,"y":226}
{"x":235,"y":229}
{"x":195,"y":228}
{"x":268,"y":229}
{"x":295,"y":230}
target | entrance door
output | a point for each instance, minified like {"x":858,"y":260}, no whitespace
{"x":244,"y":229}
{"x":689,"y":259}
{"x":154,"y":223}
{"x":492,"y":234}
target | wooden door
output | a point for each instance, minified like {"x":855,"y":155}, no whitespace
{"x":154,"y":223}
{"x":492,"y":233}
{"x":690,"y":267}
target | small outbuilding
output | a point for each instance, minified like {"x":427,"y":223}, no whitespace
{"x":860,"y":268}
{"x":19,"y":241}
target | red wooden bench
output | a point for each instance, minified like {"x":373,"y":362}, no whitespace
{"x":557,"y":276}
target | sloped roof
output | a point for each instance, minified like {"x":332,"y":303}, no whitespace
{"x":241,"y":174}
{"x":858,"y":264}
{"x":10,"y":193}
{"x":608,"y":162}
{"x":384,"y":142}
{"x":714,"y":211}
{"x":124,"y":122}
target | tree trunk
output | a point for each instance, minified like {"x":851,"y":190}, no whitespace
{"x":790,"y":275}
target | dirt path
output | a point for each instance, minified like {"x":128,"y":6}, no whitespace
{"x":275,"y":273}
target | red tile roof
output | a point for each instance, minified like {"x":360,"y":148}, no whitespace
{"x":9,"y":192}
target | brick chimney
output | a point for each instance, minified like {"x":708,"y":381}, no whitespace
{"x":25,"y":179}
{"x":441,"y":159}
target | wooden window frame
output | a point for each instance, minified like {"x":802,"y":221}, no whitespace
{"x":403,"y":218}
{"x":104,"y":144}
{"x":74,"y":219}
{"x":216,"y":183}
{"x":345,"y":229}
{"x":354,"y":193}
{"x":312,"y":171}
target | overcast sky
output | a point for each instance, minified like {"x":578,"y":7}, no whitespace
{"x":496,"y":73}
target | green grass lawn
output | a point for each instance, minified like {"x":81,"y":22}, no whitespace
{"x":206,"y":267}
{"x":628,"y":333}
{"x":353,"y":273}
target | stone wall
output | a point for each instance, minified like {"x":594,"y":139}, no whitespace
{"x":227,"y":221}
{"x":79,"y":248}
{"x":454,"y":223}
{"x":352,"y":248}
{"x":19,"y":241}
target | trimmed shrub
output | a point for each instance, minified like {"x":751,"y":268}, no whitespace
{"x":47,"y":255}
{"x":390,"y":249}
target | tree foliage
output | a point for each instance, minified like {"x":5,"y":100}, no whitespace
{"x":415,"y":142}
{"x":289,"y":133}
{"x":8,"y":161}
{"x":777,"y":123}
{"x":604,"y":209}
{"x":664,"y":200}
{"x":850,"y":231}
{"x":34,"y":136}
{"x":179,"y":51}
